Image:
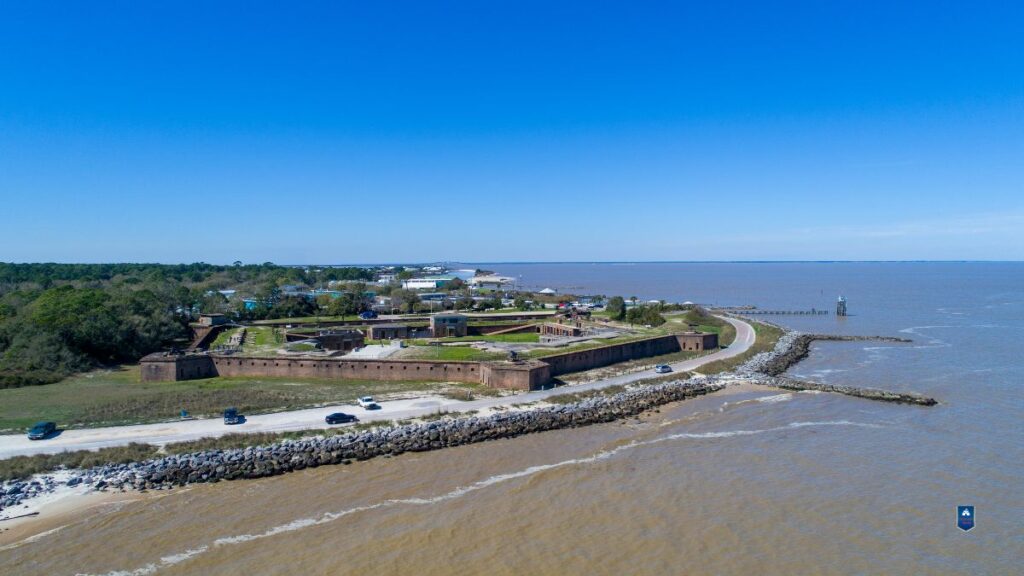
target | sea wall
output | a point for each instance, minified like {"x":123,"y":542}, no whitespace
{"x":261,"y":461}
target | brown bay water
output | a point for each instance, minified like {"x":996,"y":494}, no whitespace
{"x":747,"y":481}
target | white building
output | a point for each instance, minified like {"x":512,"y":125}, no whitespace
{"x":427,"y":282}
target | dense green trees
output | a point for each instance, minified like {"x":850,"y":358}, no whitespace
{"x":64,"y":329}
{"x":348,"y":304}
{"x":647,"y":315}
{"x":616,"y":308}
{"x":56,"y":319}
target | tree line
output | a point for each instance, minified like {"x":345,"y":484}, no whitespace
{"x":57,"y":319}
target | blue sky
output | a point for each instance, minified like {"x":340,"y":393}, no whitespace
{"x":498,"y":131}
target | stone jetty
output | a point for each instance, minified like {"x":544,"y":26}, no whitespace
{"x":867,"y":393}
{"x":767,"y":367}
{"x":798,"y":346}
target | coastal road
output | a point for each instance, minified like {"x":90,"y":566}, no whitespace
{"x":313,"y":418}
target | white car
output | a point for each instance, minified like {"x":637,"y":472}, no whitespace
{"x":662,"y":369}
{"x":368,"y":403}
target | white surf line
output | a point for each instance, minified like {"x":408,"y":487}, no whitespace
{"x":302,"y":523}
{"x":33,"y":538}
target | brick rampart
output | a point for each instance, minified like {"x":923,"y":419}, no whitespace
{"x":412,"y":370}
{"x":612,"y":354}
{"x":527,"y":375}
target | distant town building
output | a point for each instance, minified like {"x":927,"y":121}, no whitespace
{"x":321,"y":292}
{"x":427,"y":282}
{"x":252,"y":303}
{"x":433,"y":296}
{"x":293,"y":290}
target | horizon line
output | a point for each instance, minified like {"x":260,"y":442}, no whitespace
{"x":491,"y":262}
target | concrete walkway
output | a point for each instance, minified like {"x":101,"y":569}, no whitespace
{"x":313,"y":418}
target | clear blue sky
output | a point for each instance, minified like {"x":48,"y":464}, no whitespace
{"x":493,"y":131}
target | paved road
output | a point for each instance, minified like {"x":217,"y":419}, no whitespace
{"x":178,"y":431}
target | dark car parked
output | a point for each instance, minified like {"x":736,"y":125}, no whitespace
{"x":42,"y":430}
{"x":340,"y":418}
{"x":231,"y":416}
{"x":368,"y":315}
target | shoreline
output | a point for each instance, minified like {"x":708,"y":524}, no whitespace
{"x":52,"y":512}
{"x":75,"y":488}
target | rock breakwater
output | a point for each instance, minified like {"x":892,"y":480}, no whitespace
{"x":799,"y":346}
{"x":767,"y":367}
{"x":867,"y":393}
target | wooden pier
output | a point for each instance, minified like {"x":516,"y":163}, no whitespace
{"x":811,"y":312}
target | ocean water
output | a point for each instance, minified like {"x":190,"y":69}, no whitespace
{"x":742,"y":482}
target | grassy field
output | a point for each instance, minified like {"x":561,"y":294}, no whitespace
{"x":525,"y":337}
{"x":115,"y":397}
{"x":257,"y":338}
{"x":449,"y":353}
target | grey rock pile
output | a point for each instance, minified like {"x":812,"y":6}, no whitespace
{"x":767,"y":367}
{"x":16,"y":492}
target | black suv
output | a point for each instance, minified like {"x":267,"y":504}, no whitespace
{"x":340,"y":418}
{"x":231,"y":416}
{"x":42,"y":430}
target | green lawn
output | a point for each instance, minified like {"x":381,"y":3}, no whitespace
{"x":525,"y":337}
{"x":450,"y":353}
{"x":224,"y":337}
{"x":114,"y":397}
{"x":705,"y":323}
